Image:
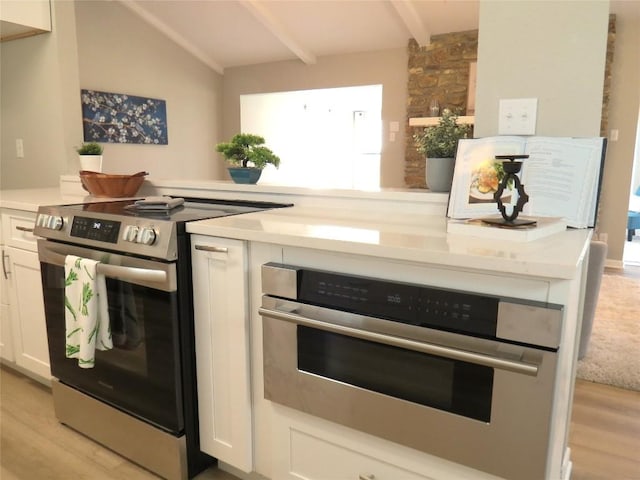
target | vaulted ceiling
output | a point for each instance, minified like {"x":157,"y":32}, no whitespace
{"x":231,"y":33}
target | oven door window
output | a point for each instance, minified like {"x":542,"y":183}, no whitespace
{"x":140,"y":375}
{"x":454,"y":386}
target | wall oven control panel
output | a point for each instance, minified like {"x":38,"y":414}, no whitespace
{"x":456,"y":311}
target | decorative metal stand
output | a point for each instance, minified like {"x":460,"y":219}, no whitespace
{"x":511,"y":168}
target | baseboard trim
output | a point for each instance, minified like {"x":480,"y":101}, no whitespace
{"x":617,"y":264}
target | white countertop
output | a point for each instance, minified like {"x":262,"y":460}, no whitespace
{"x":378,"y":232}
{"x":29,"y":199}
{"x":411,"y":237}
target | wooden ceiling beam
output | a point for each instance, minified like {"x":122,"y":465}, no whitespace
{"x":412,"y":20}
{"x":264,"y":16}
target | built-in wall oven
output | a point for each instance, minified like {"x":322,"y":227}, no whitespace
{"x":140,"y":398}
{"x":467,"y":377}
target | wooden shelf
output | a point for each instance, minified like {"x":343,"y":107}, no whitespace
{"x":431,"y":121}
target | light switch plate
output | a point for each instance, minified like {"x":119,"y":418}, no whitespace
{"x":517,"y":116}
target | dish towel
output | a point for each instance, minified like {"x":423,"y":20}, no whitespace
{"x":86,"y":310}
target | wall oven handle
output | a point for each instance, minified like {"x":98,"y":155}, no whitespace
{"x":432,"y":349}
{"x":208,"y":248}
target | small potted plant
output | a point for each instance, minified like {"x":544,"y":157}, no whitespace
{"x":247,"y":157}
{"x":439,"y":143}
{"x":90,"y":156}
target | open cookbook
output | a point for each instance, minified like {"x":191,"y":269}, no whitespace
{"x":562,"y":177}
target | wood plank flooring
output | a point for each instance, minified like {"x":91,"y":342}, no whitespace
{"x":34,"y":446}
{"x":604,"y":440}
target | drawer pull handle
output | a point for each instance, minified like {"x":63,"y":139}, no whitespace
{"x":5,"y":272}
{"x":24,"y":229}
{"x":363,"y":476}
{"x":206,"y":248}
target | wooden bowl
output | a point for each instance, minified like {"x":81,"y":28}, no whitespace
{"x":113,"y":186}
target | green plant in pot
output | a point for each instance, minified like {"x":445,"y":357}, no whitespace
{"x":247,"y":157}
{"x":90,"y":155}
{"x":439,"y":143}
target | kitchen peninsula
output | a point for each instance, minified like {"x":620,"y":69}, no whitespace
{"x":397,"y":237}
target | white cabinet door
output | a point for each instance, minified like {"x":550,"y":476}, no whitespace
{"x":29,"y":330}
{"x":6,"y":342}
{"x":222,"y":349}
{"x":316,"y":455}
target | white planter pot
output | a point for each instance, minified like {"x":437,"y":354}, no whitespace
{"x":439,"y":174}
{"x":92,"y":163}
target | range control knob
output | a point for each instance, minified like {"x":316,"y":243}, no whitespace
{"x":130,"y":233}
{"x":146,"y":236}
{"x":52,"y":222}
{"x":55,"y":222}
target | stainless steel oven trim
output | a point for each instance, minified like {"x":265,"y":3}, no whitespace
{"x":423,"y":347}
{"x":149,"y":273}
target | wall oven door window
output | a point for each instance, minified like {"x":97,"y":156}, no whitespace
{"x":141,"y":374}
{"x":450,"y":385}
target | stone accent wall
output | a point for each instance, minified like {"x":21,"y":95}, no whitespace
{"x":441,"y":71}
{"x":611,"y":40}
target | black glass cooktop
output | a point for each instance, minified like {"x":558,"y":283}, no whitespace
{"x":192,"y":209}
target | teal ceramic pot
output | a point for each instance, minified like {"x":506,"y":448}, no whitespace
{"x":245,"y":174}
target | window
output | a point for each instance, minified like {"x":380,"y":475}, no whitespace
{"x":327,"y":138}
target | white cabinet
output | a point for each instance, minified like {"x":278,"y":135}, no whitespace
{"x":222,"y":349}
{"x":29,"y":349}
{"x":317,"y":455}
{"x":6,"y":344}
{"x":24,"y":18}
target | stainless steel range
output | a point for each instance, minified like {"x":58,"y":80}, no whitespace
{"x":140,"y":397}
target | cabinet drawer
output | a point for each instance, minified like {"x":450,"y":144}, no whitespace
{"x":17,"y":229}
{"x":315,"y":458}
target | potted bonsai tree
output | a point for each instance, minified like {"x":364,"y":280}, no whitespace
{"x":439,"y":143}
{"x":247,"y":157}
{"x":90,"y":156}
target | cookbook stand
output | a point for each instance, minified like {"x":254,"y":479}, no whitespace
{"x":510,"y":220}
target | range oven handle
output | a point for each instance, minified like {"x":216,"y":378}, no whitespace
{"x":127,"y":274}
{"x":428,"y":348}
{"x":131,"y":274}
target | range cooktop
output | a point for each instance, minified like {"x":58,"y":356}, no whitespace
{"x":124,"y":226}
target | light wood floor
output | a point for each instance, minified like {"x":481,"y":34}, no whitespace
{"x":34,"y":446}
{"x":605,"y":438}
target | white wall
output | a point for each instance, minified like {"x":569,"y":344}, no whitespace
{"x":553,"y":51}
{"x":119,"y":53}
{"x":40,"y":101}
{"x":386,"y":67}
{"x":623,"y":116}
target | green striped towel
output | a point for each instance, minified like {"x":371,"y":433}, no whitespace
{"x":86,"y":310}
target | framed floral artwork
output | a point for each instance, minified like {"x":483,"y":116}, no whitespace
{"x":121,"y":118}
